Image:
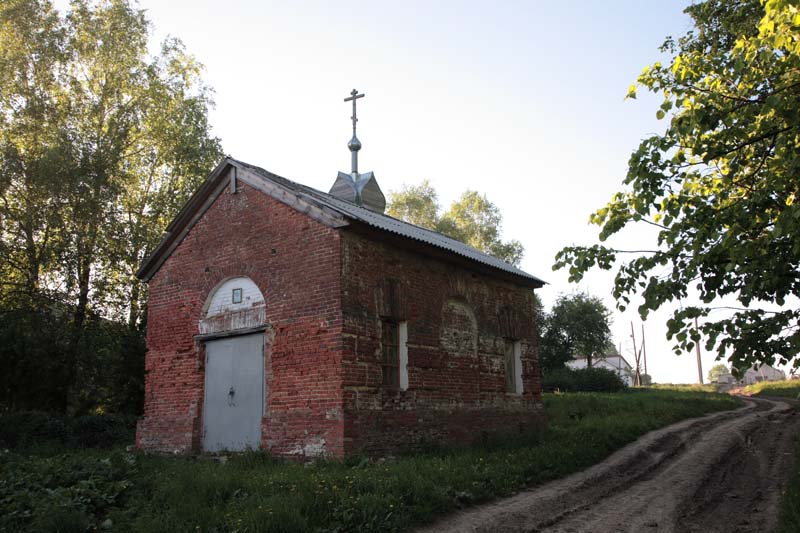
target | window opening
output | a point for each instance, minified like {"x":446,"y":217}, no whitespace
{"x":236,"y":296}
{"x":390,"y":360}
{"x":513,"y":360}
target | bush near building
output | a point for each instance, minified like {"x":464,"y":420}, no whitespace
{"x":582,"y":380}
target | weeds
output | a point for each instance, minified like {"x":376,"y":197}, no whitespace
{"x":255,"y":493}
{"x":789,"y":517}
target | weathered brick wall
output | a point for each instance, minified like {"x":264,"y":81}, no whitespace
{"x":458,"y":322}
{"x":295,"y":262}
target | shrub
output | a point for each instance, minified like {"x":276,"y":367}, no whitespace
{"x":25,"y":429}
{"x":71,"y":491}
{"x":37,"y":370}
{"x":582,"y":380}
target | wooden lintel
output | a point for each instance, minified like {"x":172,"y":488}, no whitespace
{"x":231,"y":333}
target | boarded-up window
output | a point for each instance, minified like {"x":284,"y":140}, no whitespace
{"x":513,"y":360}
{"x":505,"y":319}
{"x":403,"y":331}
{"x":390,"y":354}
{"x":394,"y":355}
{"x":389,"y":298}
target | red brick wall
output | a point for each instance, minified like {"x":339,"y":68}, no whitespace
{"x":458,"y":321}
{"x":326,"y":291}
{"x":295,"y":261}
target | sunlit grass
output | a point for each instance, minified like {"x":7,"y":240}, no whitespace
{"x":782,"y":389}
{"x":690,"y":387}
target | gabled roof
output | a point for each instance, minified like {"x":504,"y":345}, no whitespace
{"x":605,"y":358}
{"x":316,"y":204}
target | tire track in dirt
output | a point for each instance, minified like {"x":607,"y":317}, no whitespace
{"x":721,"y":472}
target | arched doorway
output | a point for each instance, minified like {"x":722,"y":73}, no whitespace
{"x":235,"y":388}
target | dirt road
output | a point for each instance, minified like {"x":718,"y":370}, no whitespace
{"x":722,"y":472}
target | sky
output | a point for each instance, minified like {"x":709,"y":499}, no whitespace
{"x":520,"y":100}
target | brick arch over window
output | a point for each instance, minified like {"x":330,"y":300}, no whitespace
{"x":459,"y":330}
{"x":508,"y":321}
{"x":390,"y":299}
{"x":234,"y":304}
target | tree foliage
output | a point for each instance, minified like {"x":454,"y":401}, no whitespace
{"x":100,"y":144}
{"x":472,"y":219}
{"x":716,"y":371}
{"x":720,"y":186}
{"x":578,"y":325}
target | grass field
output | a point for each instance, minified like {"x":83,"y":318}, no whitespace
{"x":789,"y":518}
{"x":76,"y":490}
{"x":782,"y":389}
{"x":692,"y":387}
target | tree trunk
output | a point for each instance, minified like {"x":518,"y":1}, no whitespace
{"x":135,"y":309}
{"x":32,"y":258}
{"x":32,"y":281}
{"x":78,"y":324}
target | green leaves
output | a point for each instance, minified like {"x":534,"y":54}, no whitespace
{"x":580,"y":259}
{"x":577,"y":326}
{"x":100,"y":144}
{"x":472,"y":219}
{"x":720,"y":181}
{"x":417,"y":204}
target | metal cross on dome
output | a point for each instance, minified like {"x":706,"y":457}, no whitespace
{"x":354,"y":96}
{"x":354,"y":145}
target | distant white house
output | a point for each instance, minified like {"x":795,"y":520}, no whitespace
{"x":724,"y":378}
{"x":615,"y":363}
{"x":752,"y":375}
{"x":762,"y":373}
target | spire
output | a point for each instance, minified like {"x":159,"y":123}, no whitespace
{"x":354,"y":145}
{"x":359,"y":189}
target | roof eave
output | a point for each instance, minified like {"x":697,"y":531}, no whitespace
{"x":205,"y":195}
{"x":443,"y":254}
{"x":307,"y":203}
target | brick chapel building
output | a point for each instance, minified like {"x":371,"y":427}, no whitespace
{"x":312,"y":324}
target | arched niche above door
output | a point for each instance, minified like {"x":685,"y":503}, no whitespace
{"x":235,"y":304}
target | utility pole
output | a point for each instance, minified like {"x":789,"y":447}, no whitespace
{"x":636,"y":355}
{"x":644,"y":350}
{"x":699,"y":362}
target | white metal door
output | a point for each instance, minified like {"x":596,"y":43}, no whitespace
{"x":234,"y":393}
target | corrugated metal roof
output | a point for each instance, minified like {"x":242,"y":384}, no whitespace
{"x":391,"y":224}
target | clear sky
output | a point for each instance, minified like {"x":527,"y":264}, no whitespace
{"x":521,"y":100}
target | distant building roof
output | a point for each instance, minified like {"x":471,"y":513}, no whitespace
{"x":604,"y":358}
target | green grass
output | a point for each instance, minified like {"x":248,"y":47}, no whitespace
{"x":782,"y":389}
{"x":789,"y":517}
{"x":252,"y":492}
{"x":789,"y":513}
{"x":692,"y":387}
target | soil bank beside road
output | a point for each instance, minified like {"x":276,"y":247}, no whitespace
{"x":721,"y":472}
